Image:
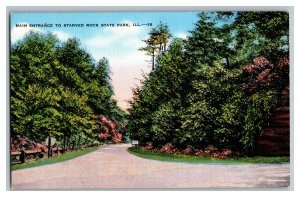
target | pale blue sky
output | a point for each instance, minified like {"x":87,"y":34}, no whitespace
{"x":177,"y":21}
{"x":119,"y":44}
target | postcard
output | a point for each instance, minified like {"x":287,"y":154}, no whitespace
{"x":150,"y":100}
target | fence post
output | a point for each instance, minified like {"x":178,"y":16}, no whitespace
{"x":37,"y":155}
{"x":49,"y":144}
{"x":22,"y":156}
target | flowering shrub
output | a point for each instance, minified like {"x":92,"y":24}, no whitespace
{"x":148,"y":147}
{"x":264,"y":74}
{"x":187,"y":151}
{"x":168,"y":148}
{"x":210,"y":151}
{"x":21,"y":143}
{"x":104,"y":136}
{"x":226,"y":153}
{"x":109,"y":130}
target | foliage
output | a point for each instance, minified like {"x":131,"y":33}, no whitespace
{"x":157,"y":42}
{"x":56,"y":88}
{"x":159,"y":97}
{"x":218,"y":87}
{"x":202,"y":159}
{"x":108,"y":129}
{"x":19,"y":143}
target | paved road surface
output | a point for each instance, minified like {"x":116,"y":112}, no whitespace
{"x":114,"y":167}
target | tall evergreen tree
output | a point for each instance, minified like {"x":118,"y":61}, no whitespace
{"x":196,"y":99}
{"x":157,"y":42}
{"x":56,"y":89}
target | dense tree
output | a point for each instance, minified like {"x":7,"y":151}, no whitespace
{"x":56,"y":89}
{"x":163,"y":86}
{"x":36,"y":92}
{"x":217,"y":88}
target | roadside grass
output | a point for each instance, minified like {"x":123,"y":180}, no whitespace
{"x":196,"y":159}
{"x":64,"y":157}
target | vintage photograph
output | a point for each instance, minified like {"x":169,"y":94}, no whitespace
{"x":150,"y":100}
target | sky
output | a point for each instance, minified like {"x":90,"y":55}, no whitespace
{"x":119,"y":44}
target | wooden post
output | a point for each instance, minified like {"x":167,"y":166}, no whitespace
{"x":22,"y":156}
{"x":37,"y":155}
{"x":49,"y":146}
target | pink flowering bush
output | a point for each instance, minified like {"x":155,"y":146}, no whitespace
{"x":168,"y":149}
{"x":19,"y":143}
{"x":109,"y":130}
{"x":149,"y":146}
{"x":265,"y":74}
{"x":210,"y":151}
{"x":187,"y":151}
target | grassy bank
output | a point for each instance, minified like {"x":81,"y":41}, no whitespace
{"x":196,"y":159}
{"x":64,"y":157}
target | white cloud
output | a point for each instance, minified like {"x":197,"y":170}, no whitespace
{"x":120,"y":45}
{"x":61,"y":35}
{"x":113,"y":37}
{"x":181,"y":35}
{"x":99,"y":42}
{"x":18,"y":33}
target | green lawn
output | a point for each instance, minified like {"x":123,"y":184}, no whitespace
{"x":65,"y":157}
{"x":196,"y":159}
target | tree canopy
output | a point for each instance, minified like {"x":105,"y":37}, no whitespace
{"x":57,"y":88}
{"x":219,"y":86}
{"x":157,"y":41}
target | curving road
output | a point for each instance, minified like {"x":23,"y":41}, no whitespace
{"x":113,"y":167}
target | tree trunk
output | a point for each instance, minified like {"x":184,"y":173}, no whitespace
{"x":160,"y":48}
{"x":153,"y":58}
{"x":227,"y":62}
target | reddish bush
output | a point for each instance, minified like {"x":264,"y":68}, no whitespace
{"x":108,"y":130}
{"x":285,"y":96}
{"x":210,"y":151}
{"x":199,"y":153}
{"x":20,"y":143}
{"x":261,"y":61}
{"x":117,"y":137}
{"x":112,"y":125}
{"x":248,"y":68}
{"x":187,"y":151}
{"x":41,"y":147}
{"x":264,"y":74}
{"x":227,"y":152}
{"x":104,"y":136}
{"x":168,"y":148}
{"x":148,"y":147}
{"x":284,"y":62}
